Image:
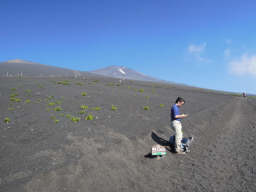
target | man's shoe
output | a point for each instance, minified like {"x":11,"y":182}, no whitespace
{"x":181,"y":152}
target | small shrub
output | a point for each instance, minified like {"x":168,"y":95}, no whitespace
{"x":58,"y":102}
{"x":51,"y":104}
{"x":79,"y":83}
{"x":50,"y":97}
{"x":14,"y":95}
{"x":65,"y":82}
{"x":53,"y":117}
{"x":28,"y":91}
{"x":83,"y":93}
{"x":146,"y":108}
{"x":114,"y":108}
{"x":27,"y":101}
{"x":161,"y":105}
{"x":17,"y":100}
{"x":57,"y":121}
{"x":129,"y":87}
{"x":147,"y":97}
{"x":82,"y":112}
{"x":10,"y":108}
{"x":58,"y":108}
{"x":39,"y":100}
{"x":96,"y":108}
{"x":75,"y":119}
{"x":141,"y":90}
{"x":7,"y":120}
{"x":83,"y":107}
{"x":89,"y":117}
{"x":68,"y":116}
{"x":13,"y":99}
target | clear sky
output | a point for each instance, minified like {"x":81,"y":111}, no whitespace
{"x":204,"y":43}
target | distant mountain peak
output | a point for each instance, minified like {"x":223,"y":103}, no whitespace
{"x":123,"y":73}
{"x":20,"y":61}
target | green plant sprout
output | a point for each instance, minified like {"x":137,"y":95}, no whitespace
{"x":13,"y":89}
{"x":83,"y":107}
{"x":83,"y":93}
{"x":58,"y":108}
{"x":79,"y":83}
{"x":75,"y":119}
{"x":82,"y":112}
{"x":69,"y":116}
{"x":10,"y":108}
{"x":7,"y":120}
{"x":57,"y":121}
{"x":65,"y":82}
{"x":113,"y":107}
{"x":51,"y":104}
{"x":96,"y":108}
{"x":27,"y":101}
{"x":89,"y":117}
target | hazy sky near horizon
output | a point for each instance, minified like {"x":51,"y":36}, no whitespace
{"x":204,"y":43}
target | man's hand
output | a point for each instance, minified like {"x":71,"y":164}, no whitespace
{"x":184,"y":115}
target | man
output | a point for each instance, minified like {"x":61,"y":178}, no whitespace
{"x":176,"y":123}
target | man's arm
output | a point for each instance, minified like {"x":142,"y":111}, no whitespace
{"x":181,"y":116}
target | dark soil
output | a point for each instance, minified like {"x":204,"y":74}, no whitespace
{"x":112,"y":151}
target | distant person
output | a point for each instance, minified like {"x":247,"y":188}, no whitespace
{"x":176,"y":123}
{"x":244,"y":94}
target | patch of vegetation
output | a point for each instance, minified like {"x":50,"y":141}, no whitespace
{"x":82,"y":112}
{"x":89,"y":117}
{"x":96,"y":108}
{"x":40,"y":86}
{"x":53,"y":117}
{"x":13,"y":89}
{"x":58,"y":108}
{"x":79,"y":83}
{"x":129,"y":87}
{"x":48,"y":109}
{"x":11,"y":109}
{"x":65,"y":82}
{"x":75,"y":119}
{"x":146,"y":108}
{"x":147,"y":97}
{"x":113,"y":107}
{"x":83,"y":93}
{"x":17,"y":100}
{"x":84,"y":107}
{"x":7,"y":120}
{"x":39,"y":100}
{"x":69,"y":116}
{"x":58,"y":102}
{"x":141,"y":90}
{"x":95,"y":81}
{"x":51,"y":104}
{"x":57,"y":121}
{"x":27,"y":101}
{"x":162,"y":105}
{"x":50,"y":97}
{"x":28,"y":91}
{"x":14,"y":95}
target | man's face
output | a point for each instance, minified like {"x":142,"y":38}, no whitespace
{"x":180,"y":103}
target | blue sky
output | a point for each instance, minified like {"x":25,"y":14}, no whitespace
{"x":209,"y":44}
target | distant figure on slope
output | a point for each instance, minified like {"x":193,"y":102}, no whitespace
{"x":176,"y":123}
